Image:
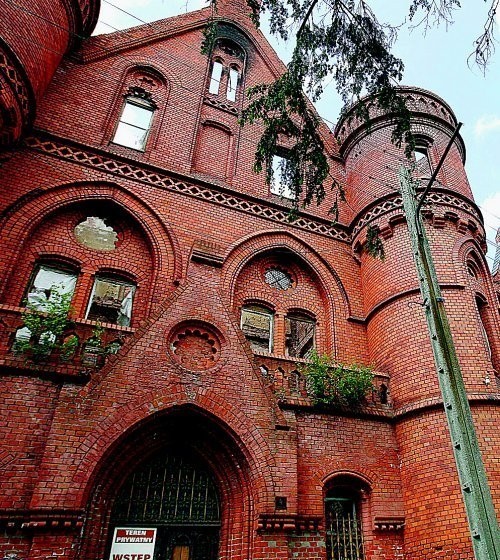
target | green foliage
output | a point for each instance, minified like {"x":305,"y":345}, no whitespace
{"x":46,"y":328}
{"x":336,"y":384}
{"x":374,"y":245}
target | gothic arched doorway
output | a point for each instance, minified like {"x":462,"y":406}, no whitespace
{"x":175,"y":494}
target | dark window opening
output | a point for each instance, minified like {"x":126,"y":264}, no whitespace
{"x":300,"y":331}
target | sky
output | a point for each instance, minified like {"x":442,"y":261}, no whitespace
{"x":435,"y":59}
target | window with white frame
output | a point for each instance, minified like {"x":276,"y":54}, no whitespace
{"x":279,"y":180}
{"x":257,"y":326}
{"x":135,"y":123}
{"x":216,"y":77}
{"x":232,"y":83}
{"x":111,"y":301}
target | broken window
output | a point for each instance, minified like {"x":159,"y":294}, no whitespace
{"x":134,"y":124}
{"x":257,"y":326}
{"x":300,"y":331}
{"x":111,"y":301}
{"x":216,"y":77}
{"x":422,"y":160}
{"x":48,"y":282}
{"x":95,"y":234}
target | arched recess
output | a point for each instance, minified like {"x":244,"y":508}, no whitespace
{"x":182,"y":433}
{"x":214,"y":150}
{"x":22,"y":218}
{"x":472,"y":269}
{"x":336,"y":303}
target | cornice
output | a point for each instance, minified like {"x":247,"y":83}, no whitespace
{"x":161,"y":178}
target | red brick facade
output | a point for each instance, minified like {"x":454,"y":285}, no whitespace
{"x":194,"y":233}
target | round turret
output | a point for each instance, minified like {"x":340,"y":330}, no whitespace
{"x":33,"y":39}
{"x":397,"y":334}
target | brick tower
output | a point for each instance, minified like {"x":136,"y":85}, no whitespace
{"x":397,"y":335}
{"x":34,"y":37}
{"x":170,"y":418}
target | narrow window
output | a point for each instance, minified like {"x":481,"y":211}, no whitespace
{"x":216,"y":77}
{"x":422,"y":161}
{"x":279,"y":181}
{"x":232,"y":83}
{"x":48,"y":282}
{"x":134,"y":124}
{"x":483,"y":319}
{"x":344,"y":537}
{"x":257,"y":326}
{"x":111,"y":301}
{"x":300,"y":331}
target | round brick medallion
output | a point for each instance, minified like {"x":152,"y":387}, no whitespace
{"x":195,"y":346}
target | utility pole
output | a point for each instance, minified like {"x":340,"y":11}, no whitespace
{"x":475,"y":490}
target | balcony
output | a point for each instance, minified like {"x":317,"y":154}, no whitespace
{"x":289,"y":385}
{"x":88,"y":355}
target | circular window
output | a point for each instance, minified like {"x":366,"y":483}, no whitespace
{"x":278,"y":278}
{"x":95,"y":234}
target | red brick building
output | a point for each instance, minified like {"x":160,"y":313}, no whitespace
{"x":182,"y":407}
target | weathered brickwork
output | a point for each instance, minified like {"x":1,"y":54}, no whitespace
{"x":192,"y":236}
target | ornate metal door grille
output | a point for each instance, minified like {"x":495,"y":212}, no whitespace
{"x":178,"y":495}
{"x":344,"y":537}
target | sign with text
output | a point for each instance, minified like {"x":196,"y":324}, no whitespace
{"x":133,"y":544}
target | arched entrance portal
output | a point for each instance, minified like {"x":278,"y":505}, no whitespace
{"x":184,"y":474}
{"x":176,"y":494}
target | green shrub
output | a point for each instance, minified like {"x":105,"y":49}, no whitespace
{"x":45,"y":329}
{"x":329,"y":383}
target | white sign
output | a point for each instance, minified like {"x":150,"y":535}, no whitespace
{"x":133,"y":544}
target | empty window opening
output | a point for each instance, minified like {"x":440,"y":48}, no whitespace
{"x":216,"y":77}
{"x":232,"y":84}
{"x":300,"y":331}
{"x":95,"y":234}
{"x":280,"y":179}
{"x":134,"y":124}
{"x":111,"y":301}
{"x":344,"y":537}
{"x":422,"y":161}
{"x":257,"y":326}
{"x":50,"y":282}
{"x":483,"y":319}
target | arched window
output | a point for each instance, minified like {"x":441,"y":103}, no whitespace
{"x":344,"y":532}
{"x":111,"y":301}
{"x":216,"y":77}
{"x":232,"y":83}
{"x":300,"y":330}
{"x":135,"y":120}
{"x":257,"y":326}
{"x":482,"y":309}
{"x":423,"y":166}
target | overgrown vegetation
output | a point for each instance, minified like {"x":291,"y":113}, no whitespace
{"x":330,"y":383}
{"x":45,"y":328}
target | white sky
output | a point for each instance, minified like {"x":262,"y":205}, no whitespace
{"x":435,"y":60}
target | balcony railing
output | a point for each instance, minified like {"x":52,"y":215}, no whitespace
{"x":90,"y":353}
{"x":290,"y":387}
